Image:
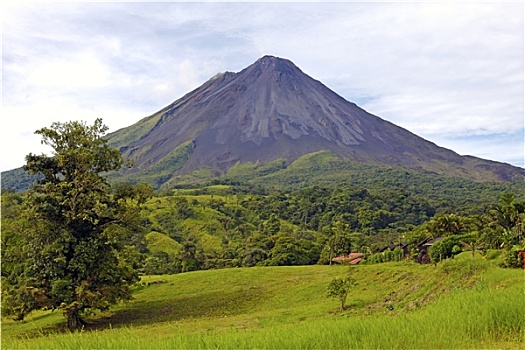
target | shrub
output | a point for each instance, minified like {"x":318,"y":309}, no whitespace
{"x":445,"y":248}
{"x":339,"y":288}
{"x":386,"y":256}
{"x":513,"y":258}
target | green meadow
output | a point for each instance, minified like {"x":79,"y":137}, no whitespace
{"x":458,"y":304}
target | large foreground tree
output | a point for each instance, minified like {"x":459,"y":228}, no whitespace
{"x":75,"y":244}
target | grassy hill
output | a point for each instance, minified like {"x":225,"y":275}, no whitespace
{"x":466,"y":303}
{"x":321,"y":168}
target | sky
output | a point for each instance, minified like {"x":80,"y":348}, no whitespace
{"x":449,"y":72}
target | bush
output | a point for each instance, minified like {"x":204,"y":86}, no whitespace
{"x":386,"y":256}
{"x":339,"y":288}
{"x":493,"y":254}
{"x":445,"y":248}
{"x":513,"y":258}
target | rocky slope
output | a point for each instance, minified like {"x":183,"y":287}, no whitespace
{"x":272,"y":110}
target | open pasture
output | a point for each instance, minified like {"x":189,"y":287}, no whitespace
{"x":468,"y":304}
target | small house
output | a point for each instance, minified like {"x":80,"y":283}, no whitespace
{"x":351,"y":259}
{"x":423,"y":257}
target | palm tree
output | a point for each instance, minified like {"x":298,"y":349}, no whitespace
{"x":473,"y":247}
{"x":447,"y":224}
{"x":509,"y":216}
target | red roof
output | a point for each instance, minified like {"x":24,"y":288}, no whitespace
{"x":355,"y":261}
{"x":352,"y":258}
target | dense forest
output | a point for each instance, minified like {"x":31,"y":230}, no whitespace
{"x":220,"y":226}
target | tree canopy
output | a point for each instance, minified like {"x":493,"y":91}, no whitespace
{"x":74,"y":247}
{"x":340,"y":287}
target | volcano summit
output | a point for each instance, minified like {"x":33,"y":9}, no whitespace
{"x":272,"y":110}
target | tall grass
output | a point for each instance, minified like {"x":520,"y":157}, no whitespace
{"x":483,"y":317}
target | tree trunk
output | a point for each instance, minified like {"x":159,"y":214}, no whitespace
{"x":343,"y":302}
{"x":74,"y":321}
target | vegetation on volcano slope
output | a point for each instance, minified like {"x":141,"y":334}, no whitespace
{"x":468,"y":302}
{"x":214,"y":227}
{"x":322,"y":169}
{"x":218,"y":229}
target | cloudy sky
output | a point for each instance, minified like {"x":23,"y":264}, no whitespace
{"x":449,"y":72}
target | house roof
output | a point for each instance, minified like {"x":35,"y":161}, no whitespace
{"x":352,"y":258}
{"x":393,"y":246}
{"x":355,"y":261}
{"x":429,"y":241}
{"x":432,"y":241}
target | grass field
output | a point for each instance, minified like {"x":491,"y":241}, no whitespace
{"x":462,"y":304}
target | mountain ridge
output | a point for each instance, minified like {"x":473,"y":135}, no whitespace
{"x":270,"y":110}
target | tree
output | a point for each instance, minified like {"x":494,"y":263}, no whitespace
{"x":472,"y":246}
{"x":339,"y":288}
{"x":448,"y":224}
{"x":73,"y":253}
{"x":291,"y":250}
{"x":338,"y":243}
{"x":13,"y":223}
{"x":272,"y":225}
{"x":444,"y":248}
{"x":508,"y":217}
{"x":253,"y":256}
{"x":190,"y":256}
{"x":182,"y":208}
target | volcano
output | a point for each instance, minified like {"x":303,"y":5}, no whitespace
{"x":272,"y":110}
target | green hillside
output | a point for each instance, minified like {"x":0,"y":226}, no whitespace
{"x":159,"y":173}
{"x":123,"y":137}
{"x":326,"y":170}
{"x":469,"y":303}
{"x":224,"y":226}
{"x":321,"y":168}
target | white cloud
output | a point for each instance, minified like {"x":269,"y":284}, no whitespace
{"x":17,"y":138}
{"x":507,"y":147}
{"x":82,"y":69}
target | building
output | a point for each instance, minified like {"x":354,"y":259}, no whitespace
{"x":350,"y":259}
